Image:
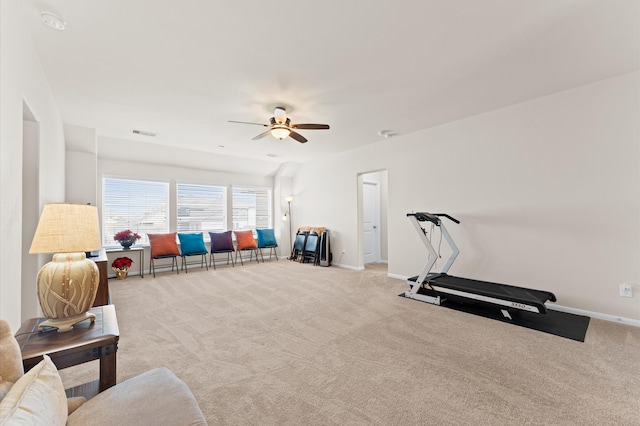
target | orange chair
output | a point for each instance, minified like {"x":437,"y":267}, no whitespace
{"x":246,"y":242}
{"x":163,"y":246}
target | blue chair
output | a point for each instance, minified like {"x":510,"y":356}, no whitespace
{"x":267,"y":239}
{"x":193,"y":245}
{"x":221,"y":242}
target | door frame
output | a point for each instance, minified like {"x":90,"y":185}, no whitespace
{"x":382,"y":198}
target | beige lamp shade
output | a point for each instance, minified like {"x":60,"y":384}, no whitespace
{"x":68,"y":284}
{"x":67,"y":228}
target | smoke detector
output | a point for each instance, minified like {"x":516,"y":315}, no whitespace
{"x":53,"y":21}
{"x":387,"y":133}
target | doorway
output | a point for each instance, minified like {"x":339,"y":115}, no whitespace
{"x":373,"y":215}
{"x":371,"y":222}
{"x":30,"y":210}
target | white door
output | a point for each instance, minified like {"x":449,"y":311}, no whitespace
{"x":370,"y":221}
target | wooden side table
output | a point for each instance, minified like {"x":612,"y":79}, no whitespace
{"x":86,"y":342}
{"x":102,"y":295}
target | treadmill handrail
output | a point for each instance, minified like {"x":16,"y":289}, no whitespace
{"x":453,"y":219}
{"x":432,"y":217}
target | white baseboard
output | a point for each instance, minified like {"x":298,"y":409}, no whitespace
{"x":397,"y":277}
{"x":353,"y":268}
{"x":569,"y":310}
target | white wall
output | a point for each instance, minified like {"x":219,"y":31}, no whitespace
{"x":23,"y":81}
{"x":548,"y":192}
{"x":81,"y":180}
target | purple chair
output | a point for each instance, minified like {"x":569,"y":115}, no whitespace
{"x":221,"y":242}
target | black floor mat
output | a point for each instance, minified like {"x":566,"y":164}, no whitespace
{"x":561,"y":324}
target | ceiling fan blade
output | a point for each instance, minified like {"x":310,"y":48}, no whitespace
{"x":261,"y":135}
{"x":310,"y":126}
{"x":246,"y":122}
{"x":297,"y":136}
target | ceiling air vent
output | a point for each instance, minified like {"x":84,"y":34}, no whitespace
{"x":144,"y":133}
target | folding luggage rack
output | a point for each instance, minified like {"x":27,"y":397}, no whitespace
{"x":436,"y":287}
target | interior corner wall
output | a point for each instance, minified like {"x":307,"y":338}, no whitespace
{"x":22,"y":80}
{"x":548,"y":193}
{"x":81,"y":179}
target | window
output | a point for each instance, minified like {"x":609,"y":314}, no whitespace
{"x":201,"y":208}
{"x":141,"y":206}
{"x":251,"y":208}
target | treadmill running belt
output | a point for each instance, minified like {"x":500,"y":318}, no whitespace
{"x":489,"y":289}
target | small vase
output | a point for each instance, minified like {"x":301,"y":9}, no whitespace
{"x":121,"y":273}
{"x":126,"y":244}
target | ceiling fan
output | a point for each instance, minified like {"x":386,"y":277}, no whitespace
{"x":280,"y":126}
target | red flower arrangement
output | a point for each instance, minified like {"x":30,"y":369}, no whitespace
{"x":122,"y":263}
{"x":126,"y":235}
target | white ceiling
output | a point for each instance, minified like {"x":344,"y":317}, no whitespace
{"x":183,"y":68}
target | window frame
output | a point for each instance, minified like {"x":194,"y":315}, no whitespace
{"x":161,"y":201}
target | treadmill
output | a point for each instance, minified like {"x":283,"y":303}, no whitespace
{"x":436,"y":287}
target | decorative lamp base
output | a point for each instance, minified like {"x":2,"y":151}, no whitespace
{"x":66,"y":324}
{"x":67,"y":287}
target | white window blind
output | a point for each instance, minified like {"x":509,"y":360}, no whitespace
{"x":141,"y":206}
{"x":251,"y":207}
{"x":201,"y":208}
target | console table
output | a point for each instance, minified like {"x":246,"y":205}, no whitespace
{"x":86,"y":342}
{"x":139,"y":250}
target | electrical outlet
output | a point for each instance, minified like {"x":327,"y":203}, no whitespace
{"x":626,"y":290}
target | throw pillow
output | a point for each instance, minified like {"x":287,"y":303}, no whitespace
{"x":221,"y":241}
{"x":163,"y":244}
{"x":266,"y":238}
{"x":37,"y":398}
{"x":10,"y":359}
{"x":192,"y":244}
{"x":245,"y":240}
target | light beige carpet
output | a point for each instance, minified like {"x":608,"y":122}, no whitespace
{"x":282,"y":343}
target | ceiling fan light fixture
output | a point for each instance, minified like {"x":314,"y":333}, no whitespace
{"x":280,"y":132}
{"x":280,"y":115}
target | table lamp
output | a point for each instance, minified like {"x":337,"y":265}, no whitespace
{"x":68,"y":284}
